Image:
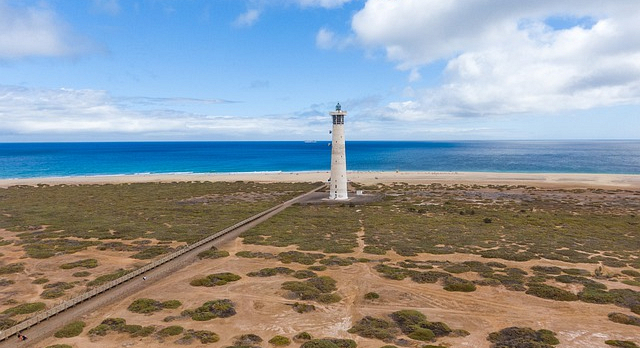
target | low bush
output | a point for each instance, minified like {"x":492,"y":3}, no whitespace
{"x":108,"y":277}
{"x":371,"y":327}
{"x":550,"y":292}
{"x":421,"y":334}
{"x":630,"y":272}
{"x":269,"y":272}
{"x":213,"y":253}
{"x":25,"y":308}
{"x":302,"y":336}
{"x":254,"y":254}
{"x":247,"y":340}
{"x":457,"y":268}
{"x":299,"y":257}
{"x":147,"y":305}
{"x":170,"y":331}
{"x":304,"y":274}
{"x":6,"y":323}
{"x":216,"y":279}
{"x":303,"y":307}
{"x":621,"y":318}
{"x":204,"y":336}
{"x":86,"y":263}
{"x":72,"y":329}
{"x":523,"y":337}
{"x":458,"y":284}
{"x":81,"y":274}
{"x":40,"y":281}
{"x":12,"y":268}
{"x":211,"y":310}
{"x":547,"y":269}
{"x":329,"y":343}
{"x":280,"y":341}
{"x":621,"y":344}
{"x":371,"y":296}
{"x":151,"y":252}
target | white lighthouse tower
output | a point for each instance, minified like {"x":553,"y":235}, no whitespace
{"x":338,"y":188}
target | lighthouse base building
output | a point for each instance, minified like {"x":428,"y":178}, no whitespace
{"x":338,"y":182}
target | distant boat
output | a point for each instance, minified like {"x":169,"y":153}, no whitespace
{"x":309,"y":141}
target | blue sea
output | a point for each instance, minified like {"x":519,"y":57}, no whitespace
{"x":31,"y":160}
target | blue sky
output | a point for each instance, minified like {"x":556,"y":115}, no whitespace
{"x":146,"y":70}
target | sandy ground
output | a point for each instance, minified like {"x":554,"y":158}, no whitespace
{"x":481,"y":178}
{"x":263,"y":309}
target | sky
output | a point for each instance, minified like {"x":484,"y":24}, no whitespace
{"x":219,"y":70}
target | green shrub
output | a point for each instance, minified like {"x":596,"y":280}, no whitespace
{"x":151,"y":252}
{"x":299,"y":257}
{"x":211,"y":310}
{"x":408,"y":319}
{"x":40,"y":281}
{"x":86,"y":263}
{"x":247,"y":340}
{"x":550,"y":292}
{"x":25,"y":308}
{"x":304,"y":274}
{"x":213,"y":253}
{"x":12,"y":268}
{"x":205,"y":336}
{"x":171,"y":304}
{"x":371,"y":327}
{"x":329,"y":343}
{"x":269,"y":272}
{"x":170,"y":331}
{"x":547,"y":269}
{"x":457,"y":268}
{"x":6,"y":323}
{"x":302,"y":336}
{"x":217,"y":279}
{"x":622,"y":344}
{"x":81,"y":274}
{"x":144,"y":332}
{"x":303,"y":307}
{"x":630,"y":272}
{"x":421,"y":334}
{"x":280,"y":341}
{"x":108,"y":277}
{"x":145,"y":305}
{"x":318,"y":268}
{"x":70,"y":330}
{"x":621,"y":318}
{"x":523,"y":337}
{"x":371,"y":296}
{"x":458,"y":284}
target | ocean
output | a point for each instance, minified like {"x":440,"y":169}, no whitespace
{"x":32,"y":160}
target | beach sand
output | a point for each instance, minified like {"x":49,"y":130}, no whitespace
{"x":630,"y":181}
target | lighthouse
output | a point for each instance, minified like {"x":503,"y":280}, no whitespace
{"x":338,"y":184}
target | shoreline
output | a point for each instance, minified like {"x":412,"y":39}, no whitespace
{"x":559,"y":180}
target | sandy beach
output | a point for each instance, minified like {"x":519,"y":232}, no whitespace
{"x":482,"y":178}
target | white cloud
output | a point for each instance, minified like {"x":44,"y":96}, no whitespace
{"x":94,"y":113}
{"x":502,"y":56}
{"x":322,"y":3}
{"x":36,"y":31}
{"x":325,"y":39}
{"x":111,"y":7}
{"x":248,"y":18}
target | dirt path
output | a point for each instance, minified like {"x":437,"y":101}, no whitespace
{"x":48,"y":327}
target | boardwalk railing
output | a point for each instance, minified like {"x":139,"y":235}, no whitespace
{"x":46,"y":314}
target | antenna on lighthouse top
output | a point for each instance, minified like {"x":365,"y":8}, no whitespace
{"x":338,"y":107}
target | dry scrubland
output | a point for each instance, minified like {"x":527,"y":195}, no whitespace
{"x":457,"y":265}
